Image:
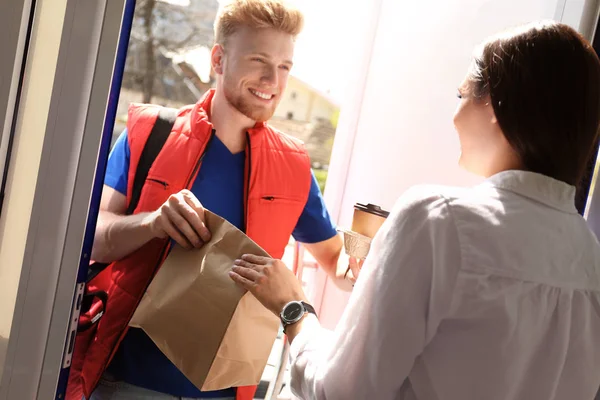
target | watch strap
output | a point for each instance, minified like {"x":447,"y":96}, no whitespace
{"x":307,"y":309}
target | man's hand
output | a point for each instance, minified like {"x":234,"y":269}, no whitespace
{"x":269,"y":280}
{"x":330,"y":255}
{"x":181,"y":217}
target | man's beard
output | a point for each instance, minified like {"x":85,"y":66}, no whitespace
{"x":255,"y":113}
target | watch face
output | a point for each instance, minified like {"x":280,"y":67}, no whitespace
{"x":293,"y":311}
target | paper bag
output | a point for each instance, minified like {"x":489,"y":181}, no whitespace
{"x":216,"y":334}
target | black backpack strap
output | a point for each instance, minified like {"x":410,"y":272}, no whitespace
{"x":154,"y":144}
{"x":156,"y":140}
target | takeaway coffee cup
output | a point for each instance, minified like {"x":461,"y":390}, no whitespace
{"x":366,"y":222}
{"x":368,"y":219}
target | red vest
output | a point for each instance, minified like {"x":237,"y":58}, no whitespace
{"x":277,"y":185}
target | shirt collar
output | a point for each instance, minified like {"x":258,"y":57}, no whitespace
{"x":541,"y":188}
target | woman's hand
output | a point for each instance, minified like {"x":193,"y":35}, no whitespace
{"x":353,"y":270}
{"x":269,"y":280}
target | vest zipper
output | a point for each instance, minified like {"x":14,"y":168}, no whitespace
{"x":269,"y":198}
{"x":199,"y":162}
{"x":162,"y":253}
{"x":249,"y":155}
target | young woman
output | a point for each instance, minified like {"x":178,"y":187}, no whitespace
{"x":486,"y":293}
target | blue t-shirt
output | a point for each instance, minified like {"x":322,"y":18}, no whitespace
{"x":220,"y":188}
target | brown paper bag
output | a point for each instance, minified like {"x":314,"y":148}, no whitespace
{"x":218,"y":335}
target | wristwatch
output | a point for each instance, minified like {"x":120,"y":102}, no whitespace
{"x":293,"y":312}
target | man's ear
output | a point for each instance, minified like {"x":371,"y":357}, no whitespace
{"x":217,"y":55}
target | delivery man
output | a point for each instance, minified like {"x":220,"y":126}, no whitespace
{"x":221,"y":156}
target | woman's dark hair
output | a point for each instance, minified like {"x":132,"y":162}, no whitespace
{"x":543,"y":81}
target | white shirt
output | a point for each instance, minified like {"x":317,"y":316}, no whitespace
{"x":489,"y":293}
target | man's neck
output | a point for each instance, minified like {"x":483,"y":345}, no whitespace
{"x":230,"y":125}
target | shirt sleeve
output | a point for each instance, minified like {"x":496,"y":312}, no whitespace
{"x":117,"y":168}
{"x":404,"y":290}
{"x":315,"y":224}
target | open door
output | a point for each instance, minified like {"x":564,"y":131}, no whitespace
{"x":56,"y":110}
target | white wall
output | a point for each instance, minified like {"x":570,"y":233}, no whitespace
{"x":580,"y":14}
{"x":403,"y":132}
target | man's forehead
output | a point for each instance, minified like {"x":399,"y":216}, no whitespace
{"x":247,"y":40}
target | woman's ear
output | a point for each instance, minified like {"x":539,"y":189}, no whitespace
{"x":490,"y":109}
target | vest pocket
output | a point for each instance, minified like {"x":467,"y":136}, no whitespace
{"x":279,"y":200}
{"x":158,"y":182}
{"x":274,"y":218}
{"x":154,"y":193}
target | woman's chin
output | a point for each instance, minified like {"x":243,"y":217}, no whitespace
{"x":461,"y":162}
{"x":470,"y":167}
